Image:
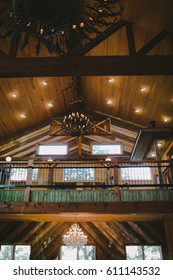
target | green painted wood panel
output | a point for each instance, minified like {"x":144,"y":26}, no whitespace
{"x":11,"y":195}
{"x":146,"y":195}
{"x":72,"y":196}
{"x":86,"y":195}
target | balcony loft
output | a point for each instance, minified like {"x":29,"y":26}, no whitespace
{"x":86,"y":190}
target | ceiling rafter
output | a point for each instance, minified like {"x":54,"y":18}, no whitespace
{"x":87,"y":66}
{"x":130,"y":38}
{"x":100,"y":38}
{"x":153,"y":42}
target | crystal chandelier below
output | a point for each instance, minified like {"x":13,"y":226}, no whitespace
{"x":75,"y":236}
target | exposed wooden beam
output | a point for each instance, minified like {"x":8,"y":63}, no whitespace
{"x":99,"y":39}
{"x":153,"y":42}
{"x":170,"y":35}
{"x":79,"y":140}
{"x":14,"y":47}
{"x":147,"y":207}
{"x":116,"y":121}
{"x":130,"y":38}
{"x":86,"y":66}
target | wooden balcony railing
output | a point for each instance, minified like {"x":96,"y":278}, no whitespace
{"x":86,"y":182}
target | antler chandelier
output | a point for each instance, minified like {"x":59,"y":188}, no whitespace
{"x":75,"y":236}
{"x":62,"y":26}
{"x":75,"y":124}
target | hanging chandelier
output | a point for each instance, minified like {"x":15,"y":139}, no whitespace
{"x":75,"y":124}
{"x":75,"y":236}
{"x":62,"y":26}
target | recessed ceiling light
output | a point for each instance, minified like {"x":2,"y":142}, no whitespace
{"x":137,"y":110}
{"x":165,"y":119}
{"x":159,"y":144}
{"x":111,"y":80}
{"x":142,"y":89}
{"x":44,"y":83}
{"x":23,"y":116}
{"x":14,"y":95}
{"x":50,"y":105}
{"x":109,"y":102}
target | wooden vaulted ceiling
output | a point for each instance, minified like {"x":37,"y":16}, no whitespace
{"x":151,"y":21}
{"x":109,"y":238}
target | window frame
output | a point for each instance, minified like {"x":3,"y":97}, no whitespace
{"x":138,"y":179}
{"x":143,"y":253}
{"x":107,"y":144}
{"x":23,"y":180}
{"x":89,"y":245}
{"x":14,"y":248}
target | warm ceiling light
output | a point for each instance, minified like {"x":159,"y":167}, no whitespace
{"x":111,"y":80}
{"x":22,"y":116}
{"x":142,"y":89}
{"x":159,"y":144}
{"x":153,"y":155}
{"x":137,"y":110}
{"x":44,"y":83}
{"x":14,"y":95}
{"x":165,"y":119}
{"x":50,"y":105}
{"x":109,"y":102}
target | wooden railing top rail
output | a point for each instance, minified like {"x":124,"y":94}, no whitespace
{"x":98,"y":161}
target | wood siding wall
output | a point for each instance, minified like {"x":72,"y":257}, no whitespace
{"x":84,"y":195}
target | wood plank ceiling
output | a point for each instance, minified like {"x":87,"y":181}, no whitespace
{"x":29,"y":102}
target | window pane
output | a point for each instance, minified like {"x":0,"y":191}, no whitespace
{"x":152,"y":253}
{"x":146,"y":252}
{"x":79,"y":174}
{"x":134,"y":253}
{"x":6,"y":252}
{"x":77,"y":253}
{"x":52,"y":150}
{"x":136,"y":173}
{"x":109,"y":149}
{"x":87,"y":253}
{"x":22,"y":252}
{"x":18,"y":174}
{"x":68,"y":253}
